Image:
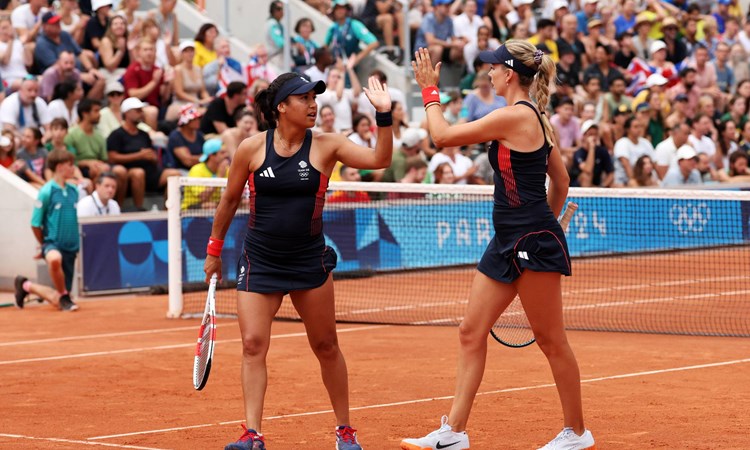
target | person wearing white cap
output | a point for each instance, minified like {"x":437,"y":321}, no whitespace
{"x":658,"y":60}
{"x":132,"y":148}
{"x":656,"y":85}
{"x":97,"y":25}
{"x":188,"y":85}
{"x":411,"y":145}
{"x":592,"y":164}
{"x":685,"y":172}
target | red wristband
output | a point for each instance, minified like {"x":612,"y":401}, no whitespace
{"x":214,"y":247}
{"x":430,"y":94}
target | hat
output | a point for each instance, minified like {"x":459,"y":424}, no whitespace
{"x":501,"y":55}
{"x":681,"y":98}
{"x":595,"y":23}
{"x":588,"y":2}
{"x":211,"y":147}
{"x":557,"y":4}
{"x":441,"y":2}
{"x":517,"y":3}
{"x":445,"y":98}
{"x":344,"y":3}
{"x":114,"y":86}
{"x":643,"y":18}
{"x":188,"y":113}
{"x":50,"y":17}
{"x":186,"y":43}
{"x":96,"y":4}
{"x":669,"y":22}
{"x":587,"y":125}
{"x":4,"y":141}
{"x":412,"y":136}
{"x":642,"y":107}
{"x":686,"y":152}
{"x":725,"y":2}
{"x":622,"y":109}
{"x":131,"y":103}
{"x":656,"y":79}
{"x":656,"y":46}
{"x":296,"y":86}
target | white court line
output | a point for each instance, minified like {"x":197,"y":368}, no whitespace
{"x":168,"y":347}
{"x":96,"y":336}
{"x":431,"y":399}
{"x":73,"y":441}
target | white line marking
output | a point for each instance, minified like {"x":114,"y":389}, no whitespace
{"x":168,"y":347}
{"x":95,"y":336}
{"x":446,"y":397}
{"x":73,"y":441}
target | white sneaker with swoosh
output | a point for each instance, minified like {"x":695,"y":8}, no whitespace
{"x":567,"y":439}
{"x":444,"y":438}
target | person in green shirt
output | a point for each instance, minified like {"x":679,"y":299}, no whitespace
{"x":91,"y":147}
{"x":214,"y":163}
{"x":54,"y":222}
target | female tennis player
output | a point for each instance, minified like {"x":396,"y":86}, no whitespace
{"x":287,"y":170}
{"x":528,"y":253}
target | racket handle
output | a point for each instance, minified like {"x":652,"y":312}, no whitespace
{"x":570,"y":210}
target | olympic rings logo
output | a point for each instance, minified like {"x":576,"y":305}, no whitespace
{"x":690,"y":218}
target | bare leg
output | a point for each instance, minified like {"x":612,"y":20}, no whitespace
{"x":541,"y":297}
{"x":45,"y":292}
{"x":137,"y":182}
{"x":316,"y":308}
{"x":255,"y":312}
{"x":385,"y":23}
{"x":487,"y":300}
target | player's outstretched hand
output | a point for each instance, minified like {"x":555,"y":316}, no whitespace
{"x":378,"y":95}
{"x":424,"y":73}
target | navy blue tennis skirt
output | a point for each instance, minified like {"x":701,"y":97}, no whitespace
{"x":525,"y":238}
{"x":272,"y":264}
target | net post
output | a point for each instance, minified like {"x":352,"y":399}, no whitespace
{"x":174,"y":246}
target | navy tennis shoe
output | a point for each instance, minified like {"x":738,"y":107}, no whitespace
{"x":20,"y":293}
{"x":346,"y":438}
{"x":250,"y":440}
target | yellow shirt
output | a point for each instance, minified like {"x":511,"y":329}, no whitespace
{"x":191,"y":198}
{"x":336,"y":174}
{"x":203,"y":55}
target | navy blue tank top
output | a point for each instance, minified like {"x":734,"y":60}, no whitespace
{"x":287,"y":195}
{"x":519,"y":176}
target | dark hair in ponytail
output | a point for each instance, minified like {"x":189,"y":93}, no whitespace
{"x":267,"y":115}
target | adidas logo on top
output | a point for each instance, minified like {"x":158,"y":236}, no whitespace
{"x":268,"y":173}
{"x":509,"y":62}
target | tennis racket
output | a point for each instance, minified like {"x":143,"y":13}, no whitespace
{"x":512,"y":328}
{"x":204,"y":351}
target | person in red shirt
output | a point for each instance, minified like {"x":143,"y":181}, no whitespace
{"x":144,"y":80}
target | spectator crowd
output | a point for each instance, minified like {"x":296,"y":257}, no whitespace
{"x":648,"y":93}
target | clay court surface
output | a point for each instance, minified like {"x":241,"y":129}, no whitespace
{"x":117,"y":374}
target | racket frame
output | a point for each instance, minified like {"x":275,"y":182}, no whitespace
{"x":208,"y":320}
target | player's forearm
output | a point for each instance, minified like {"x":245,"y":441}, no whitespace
{"x":224,"y":213}
{"x":384,"y":147}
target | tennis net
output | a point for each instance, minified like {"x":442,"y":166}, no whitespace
{"x":657,"y":261}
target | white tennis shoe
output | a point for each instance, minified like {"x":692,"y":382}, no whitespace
{"x":569,"y":440}
{"x":444,"y":438}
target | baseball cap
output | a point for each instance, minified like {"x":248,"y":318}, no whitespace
{"x":681,"y":98}
{"x":131,"y":103}
{"x":411,"y":136}
{"x":4,"y":141}
{"x":655,"y":79}
{"x":296,"y":86}
{"x":622,"y":109}
{"x":344,"y":3}
{"x":642,"y":107}
{"x":441,"y":2}
{"x":114,"y":86}
{"x":725,"y":2}
{"x":517,"y":3}
{"x":96,"y":4}
{"x":686,"y":152}
{"x":445,"y":98}
{"x":656,"y":46}
{"x":50,"y":17}
{"x":595,"y":23}
{"x":669,"y":22}
{"x":590,"y":1}
{"x":210,"y":147}
{"x":186,"y":43}
{"x":557,"y":4}
{"x":587,"y":125}
{"x":188,"y":113}
{"x":643,"y":18}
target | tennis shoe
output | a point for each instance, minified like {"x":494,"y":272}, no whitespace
{"x":250,"y":440}
{"x":20,"y":293}
{"x":569,"y":440}
{"x":346,"y":438}
{"x":66,"y":304}
{"x":444,"y":438}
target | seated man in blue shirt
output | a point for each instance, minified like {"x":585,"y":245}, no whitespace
{"x":53,"y":41}
{"x":437,"y":35}
{"x":685,"y":171}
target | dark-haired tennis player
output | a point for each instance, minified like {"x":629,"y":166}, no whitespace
{"x":287,"y":170}
{"x":528,"y":253}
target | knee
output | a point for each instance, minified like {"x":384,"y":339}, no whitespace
{"x":469,"y":337}
{"x":327,"y":348}
{"x":552,"y":345}
{"x":254,"y":346}
{"x":119,"y":171}
{"x":54,"y":261}
{"x":137,"y":174}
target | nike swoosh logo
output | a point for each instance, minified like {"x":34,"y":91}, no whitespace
{"x":439,"y":445}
